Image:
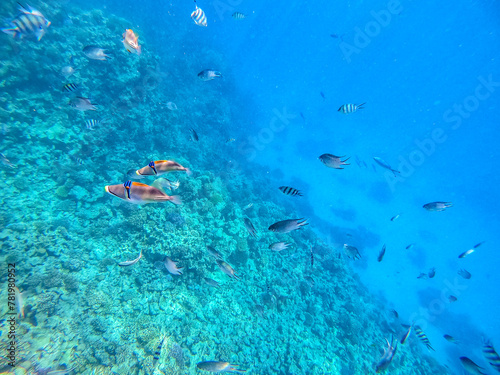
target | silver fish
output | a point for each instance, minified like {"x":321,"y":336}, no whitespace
{"x":29,"y":22}
{"x":385,"y":165}
{"x":67,"y":71}
{"x":82,"y":104}
{"x":131,"y":262}
{"x":332,"y":161}
{"x":217,"y":366}
{"x":250,"y":228}
{"x":199,"y":17}
{"x":247,"y":206}
{"x":465,"y":274}
{"x":95,"y":53}
{"x":279,"y":246}
{"x":227,"y":269}
{"x":465,"y":253}
{"x":352,"y":252}
{"x":164,"y":183}
{"x":394,"y":218}
{"x":471,"y":367}
{"x":287,"y":226}
{"x":171,"y":267}
{"x":5,"y":161}
{"x":387,"y":357}
{"x":209,"y":74}
{"x":381,"y":254}
{"x":214,"y":253}
{"x":211,"y":282}
{"x":350,"y":108}
{"x":437,"y":206}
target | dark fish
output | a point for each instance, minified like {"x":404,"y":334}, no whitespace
{"x":287,"y":226}
{"x":70,"y":87}
{"x":407,"y":334}
{"x":290,"y":191}
{"x":302,"y":115}
{"x":491,"y":355}
{"x":432,"y":273}
{"x":95,"y":53}
{"x":214,"y":253}
{"x":450,"y":339}
{"x":381,"y":254}
{"x":332,"y":161}
{"x":465,"y":274}
{"x":352,"y":252}
{"x":76,"y":159}
{"x":157,"y":354}
{"x":421,"y":335}
{"x":396,"y":315}
{"x":209,"y":74}
{"x":211,"y":282}
{"x":395,"y":217}
{"x":238,"y":16}
{"x":28,"y":22}
{"x":312,"y":256}
{"x":465,"y":253}
{"x":385,"y":165}
{"x":194,"y":136}
{"x":422,"y":276}
{"x":217,"y":366}
{"x":471,"y":367}
{"x":386,"y":359}
{"x":452,"y":298}
{"x":478,"y":244}
{"x":437,"y":206}
{"x":410,"y":246}
{"x":250,"y":228}
{"x":199,"y":17}
{"x":322,"y":95}
{"x":227,"y":269}
{"x":350,"y":108}
{"x":82,"y":104}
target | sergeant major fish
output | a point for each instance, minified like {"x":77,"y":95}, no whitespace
{"x":199,"y":17}
{"x":238,"y":16}
{"x":139,"y":193}
{"x":491,"y":355}
{"x":422,"y":336}
{"x":28,"y":22}
{"x":350,"y":108}
{"x":290,"y":191}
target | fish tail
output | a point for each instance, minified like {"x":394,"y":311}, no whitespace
{"x":175,"y":199}
{"x":11,"y":31}
{"x":189,"y":172}
{"x":361,"y":105}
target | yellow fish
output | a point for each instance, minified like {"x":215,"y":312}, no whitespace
{"x":131,"y":42}
{"x":159,"y":167}
{"x":139,"y":193}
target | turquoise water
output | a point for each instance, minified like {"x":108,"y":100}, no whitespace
{"x":286,"y":69}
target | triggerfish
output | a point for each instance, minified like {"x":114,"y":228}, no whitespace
{"x":159,"y":167}
{"x":139,"y":193}
{"x":131,"y":42}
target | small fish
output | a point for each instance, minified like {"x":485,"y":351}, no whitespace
{"x":465,"y":253}
{"x":478,"y":244}
{"x":92,"y":123}
{"x":82,"y":104}
{"x":131,"y":262}
{"x":139,"y":193}
{"x":407,"y":334}
{"x":211,"y":282}
{"x":159,"y":167}
{"x":216,"y":366}
{"x":247,"y":206}
{"x":95,"y":53}
{"x":5,"y":161}
{"x":290,"y":191}
{"x":432,"y":273}
{"x":209,"y":74}
{"x":29,"y":22}
{"x":19,"y":302}
{"x":227,"y":269}
{"x":230,"y":140}
{"x":199,"y":17}
{"x":421,"y":335}
{"x":491,"y":355}
{"x":394,"y":218}
{"x":450,"y":339}
{"x":322,"y":95}
{"x":352,"y":252}
{"x":238,"y":16}
{"x":381,"y":254}
{"x":171,"y":106}
{"x":250,"y":228}
{"x":171,"y":267}
{"x":131,"y":42}
{"x":465,"y":274}
{"x":312,"y":256}
{"x":287,"y":226}
{"x":164,"y":183}
{"x":70,"y":87}
{"x":67,"y":71}
{"x":309,"y":280}
{"x":157,"y":354}
{"x":76,"y":160}
{"x":396,"y":315}
{"x":437,"y":206}
{"x":385,"y":165}
{"x":422,"y":275}
{"x":350,"y":108}
{"x":214,"y":253}
{"x":410,"y":246}
{"x":452,"y":298}
{"x":194,"y":136}
{"x":302,"y":115}
{"x":332,"y":161}
{"x":387,"y":357}
{"x":279,"y":246}
{"x":471,"y":367}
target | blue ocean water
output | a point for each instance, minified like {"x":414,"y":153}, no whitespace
{"x":429,"y":77}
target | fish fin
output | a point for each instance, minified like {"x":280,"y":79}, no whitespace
{"x":10,"y":30}
{"x":157,"y":184}
{"x":189,"y":172}
{"x":175,"y":199}
{"x":138,"y":183}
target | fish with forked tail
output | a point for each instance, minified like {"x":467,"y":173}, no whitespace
{"x":471,"y":367}
{"x":209,"y":74}
{"x":139,"y":193}
{"x":217,"y":366}
{"x":159,"y":167}
{"x":350,"y":108}
{"x":249,"y":227}
{"x":287,"y":226}
{"x":385,"y":165}
{"x":332,"y":161}
{"x":437,"y":206}
{"x":227,"y":269}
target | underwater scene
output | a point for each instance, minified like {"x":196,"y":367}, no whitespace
{"x":227,"y":186}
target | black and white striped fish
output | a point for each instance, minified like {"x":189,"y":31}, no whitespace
{"x":491,"y":355}
{"x":70,"y":87}
{"x":421,"y":335}
{"x":199,"y":17}
{"x":287,"y":190}
{"x":350,"y":108}
{"x":158,"y":351}
{"x":92,"y":123}
{"x":238,"y":16}
{"x":29,"y":22}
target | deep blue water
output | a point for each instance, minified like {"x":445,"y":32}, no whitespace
{"x":429,"y":74}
